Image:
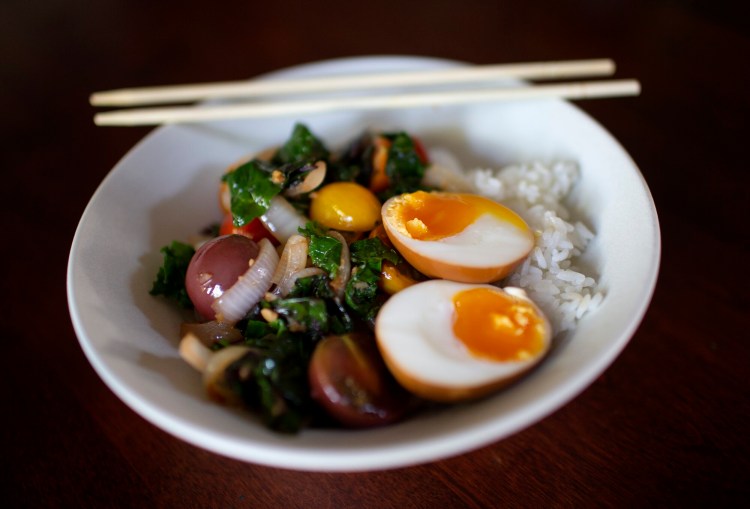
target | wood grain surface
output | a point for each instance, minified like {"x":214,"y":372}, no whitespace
{"x":665,"y":426}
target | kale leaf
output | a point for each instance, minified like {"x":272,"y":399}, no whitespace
{"x":302,"y":146}
{"x":339,"y":320}
{"x":404,"y":168}
{"x":272,"y":379}
{"x":354,"y":163}
{"x":303,"y":314}
{"x":253,"y":184}
{"x":367,"y":261}
{"x":251,"y":188}
{"x":324,"y":250}
{"x":170,"y":279}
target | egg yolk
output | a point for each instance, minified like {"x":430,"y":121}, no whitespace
{"x":345,"y":206}
{"x":496,"y":326}
{"x":433,"y":216}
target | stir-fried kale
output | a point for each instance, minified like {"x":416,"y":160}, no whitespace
{"x":308,"y":315}
{"x":404,"y":168}
{"x":367,"y":257}
{"x":339,"y":319}
{"x":302,"y":146}
{"x":170,"y":279}
{"x":367,"y":261}
{"x":272,"y":379}
{"x":324,"y":250}
{"x":354,"y":163}
{"x":251,"y":187}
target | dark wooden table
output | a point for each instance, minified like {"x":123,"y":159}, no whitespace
{"x":665,"y":425}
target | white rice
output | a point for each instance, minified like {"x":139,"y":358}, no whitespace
{"x":536,"y":191}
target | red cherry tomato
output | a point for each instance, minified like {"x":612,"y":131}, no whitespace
{"x":420,"y":150}
{"x":252,"y":230}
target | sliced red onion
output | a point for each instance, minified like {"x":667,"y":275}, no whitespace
{"x":293,"y":259}
{"x":282,"y":219}
{"x":250,"y":288}
{"x":338,"y":284}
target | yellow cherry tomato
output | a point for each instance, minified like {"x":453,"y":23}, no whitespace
{"x":345,"y":206}
{"x":393,"y":280}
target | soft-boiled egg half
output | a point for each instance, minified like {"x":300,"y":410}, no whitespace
{"x":456,"y":236}
{"x":447,"y":341}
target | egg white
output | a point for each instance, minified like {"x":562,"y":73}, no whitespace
{"x":414,"y":330}
{"x":486,"y":242}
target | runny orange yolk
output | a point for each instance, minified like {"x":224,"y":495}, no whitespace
{"x":433,"y":216}
{"x":496,"y":326}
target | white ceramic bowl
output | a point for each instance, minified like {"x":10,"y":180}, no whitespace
{"x":166,"y":188}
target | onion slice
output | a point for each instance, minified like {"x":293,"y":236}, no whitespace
{"x":250,"y":287}
{"x":312,"y":179}
{"x":306,"y":272}
{"x":214,"y":374}
{"x":282,"y":219}
{"x":338,"y":284}
{"x":293,"y":259}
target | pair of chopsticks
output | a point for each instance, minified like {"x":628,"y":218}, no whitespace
{"x":260,"y":91}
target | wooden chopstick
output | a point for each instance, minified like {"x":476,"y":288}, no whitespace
{"x":174,"y":115}
{"x":196,"y":92}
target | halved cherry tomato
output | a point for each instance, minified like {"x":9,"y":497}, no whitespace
{"x":420,"y":150}
{"x":379,"y":180}
{"x":253,"y":230}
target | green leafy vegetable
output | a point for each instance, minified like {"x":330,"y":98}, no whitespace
{"x":170,"y":279}
{"x":312,"y":286}
{"x":404,"y":168}
{"x":302,"y":146}
{"x":354,"y":163}
{"x":303,"y":314}
{"x":339,"y":321}
{"x":272,"y":379}
{"x":367,"y":261}
{"x":258,"y":329}
{"x":324,"y":250}
{"x":251,"y":188}
{"x":253,"y":185}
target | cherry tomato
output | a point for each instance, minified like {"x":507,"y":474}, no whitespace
{"x":345,"y":206}
{"x":420,"y":150}
{"x":349,"y":379}
{"x":379,"y":180}
{"x":253,"y":230}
